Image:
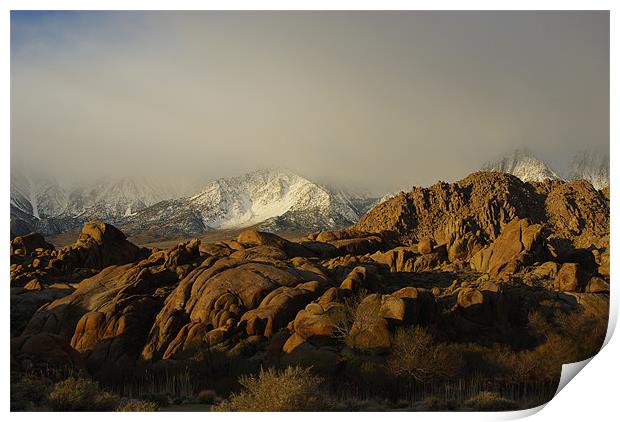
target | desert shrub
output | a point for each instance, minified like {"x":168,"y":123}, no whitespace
{"x":351,"y":312}
{"x":366,"y":405}
{"x":137,"y":406}
{"x":586,"y":332}
{"x":206,"y":397}
{"x":475,"y":360}
{"x":539,"y":365}
{"x":435,"y":403}
{"x":568,"y":338}
{"x":402,"y":404}
{"x":416,"y":354}
{"x":364,"y":373}
{"x":563,"y":338}
{"x":517,"y":367}
{"x":27,"y":393}
{"x":583,"y":332}
{"x":160,"y":399}
{"x":294,"y":389}
{"x":490,"y":401}
{"x":80,"y":394}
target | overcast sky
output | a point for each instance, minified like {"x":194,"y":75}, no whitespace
{"x":374,"y":100}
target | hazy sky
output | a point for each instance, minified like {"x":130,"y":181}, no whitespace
{"x":379,"y":100}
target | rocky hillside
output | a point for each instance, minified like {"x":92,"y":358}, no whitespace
{"x":484,"y":264}
{"x":480,"y":206}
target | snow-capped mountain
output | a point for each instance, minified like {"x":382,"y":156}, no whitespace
{"x":37,"y":196}
{"x":360,"y":201}
{"x":37,"y":203}
{"x":588,"y":165}
{"x":113,"y":200}
{"x":524,"y":165}
{"x":42,"y":204}
{"x":274,"y":198}
{"x":591,"y":166}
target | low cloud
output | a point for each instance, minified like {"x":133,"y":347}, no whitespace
{"x":373,"y":100}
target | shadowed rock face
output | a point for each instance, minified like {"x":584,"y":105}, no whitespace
{"x":99,"y":245}
{"x":473,"y":258}
{"x":28,"y":244}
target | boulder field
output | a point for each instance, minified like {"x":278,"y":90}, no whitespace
{"x":474,"y":257}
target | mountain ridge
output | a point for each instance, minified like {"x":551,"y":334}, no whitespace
{"x":277,"y":198}
{"x":274,"y":199}
{"x":587,"y":165}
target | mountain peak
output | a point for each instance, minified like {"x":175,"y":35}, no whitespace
{"x":265,"y":194}
{"x":523,"y":164}
{"x":591,"y":166}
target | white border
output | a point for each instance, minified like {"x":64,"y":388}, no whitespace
{"x":592,"y":395}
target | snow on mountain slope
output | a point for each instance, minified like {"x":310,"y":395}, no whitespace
{"x":21,"y":193}
{"x":260,"y":195}
{"x":275,"y":198}
{"x":38,"y":196}
{"x":165,"y":220}
{"x":113,"y":200}
{"x":524,"y":165}
{"x":40,"y":204}
{"x":360,"y":201}
{"x":591,"y":166}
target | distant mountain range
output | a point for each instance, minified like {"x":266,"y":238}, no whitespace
{"x":586,"y":165}
{"x":275,"y":199}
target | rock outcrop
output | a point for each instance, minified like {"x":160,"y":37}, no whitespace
{"x":484,"y":202}
{"x":107,"y":317}
{"x":99,"y":245}
{"x":519,"y":244}
{"x":217,"y":295}
{"x":571,"y":278}
{"x":472,"y":260}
